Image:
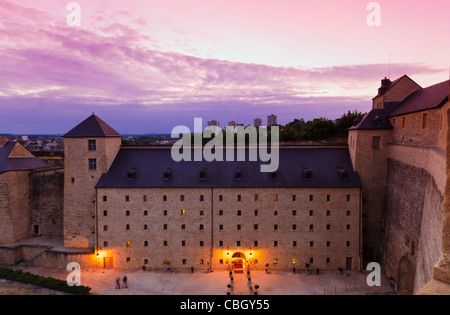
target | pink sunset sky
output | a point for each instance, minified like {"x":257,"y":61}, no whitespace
{"x":147,"y":66}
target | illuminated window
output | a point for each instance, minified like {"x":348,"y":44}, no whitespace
{"x":275,"y":261}
{"x":202,"y":261}
{"x":145,"y":198}
{"x":165,"y":261}
{"x":275,"y":197}
{"x":256,"y":197}
{"x":128,"y":243}
{"x":183,"y":212}
{"x":294,"y":261}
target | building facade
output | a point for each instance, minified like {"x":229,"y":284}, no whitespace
{"x":400,"y":150}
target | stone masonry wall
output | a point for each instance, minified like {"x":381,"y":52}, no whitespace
{"x":413,"y":216}
{"x":46,"y":202}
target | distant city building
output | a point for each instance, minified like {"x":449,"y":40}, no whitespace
{"x":25,"y":138}
{"x":257,"y":122}
{"x":271,"y":120}
{"x":214,"y":123}
{"x":233,"y":124}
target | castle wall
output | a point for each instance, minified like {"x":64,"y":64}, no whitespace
{"x":46,"y":202}
{"x":14,"y":206}
{"x":79,"y":183}
{"x":416,"y":129}
{"x":412,"y":225}
{"x":370,"y":163}
{"x":226,"y":226}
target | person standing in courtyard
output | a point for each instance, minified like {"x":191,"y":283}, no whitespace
{"x":118,"y":283}
{"x":125,"y":282}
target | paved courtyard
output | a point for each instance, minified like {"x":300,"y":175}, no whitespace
{"x":103,"y":282}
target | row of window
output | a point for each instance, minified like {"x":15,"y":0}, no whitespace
{"x":238,"y":227}
{"x":238,"y":197}
{"x":238,"y":213}
{"x":221,"y":244}
{"x":221,"y":261}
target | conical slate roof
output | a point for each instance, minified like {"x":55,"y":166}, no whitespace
{"x":93,"y":127}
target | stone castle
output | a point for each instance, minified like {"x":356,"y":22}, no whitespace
{"x":383,"y":198}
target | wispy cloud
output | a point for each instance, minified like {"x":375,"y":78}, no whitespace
{"x":109,"y":63}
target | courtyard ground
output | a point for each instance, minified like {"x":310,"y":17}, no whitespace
{"x":103,"y":281}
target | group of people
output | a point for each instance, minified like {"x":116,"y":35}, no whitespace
{"x":124,"y":283}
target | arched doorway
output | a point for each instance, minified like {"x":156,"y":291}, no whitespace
{"x":238,"y":261}
{"x":405,"y":284}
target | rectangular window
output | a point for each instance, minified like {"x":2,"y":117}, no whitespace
{"x":376,"y":142}
{"x":275,"y":243}
{"x":348,"y":198}
{"x":294,"y":197}
{"x":182,"y":197}
{"x":238,"y":243}
{"x":220,"y":212}
{"x":255,"y":227}
{"x":311,"y":197}
{"x":239,"y":198}
{"x":220,"y":198}
{"x":127,"y":198}
{"x":294,"y":227}
{"x":311,"y":244}
{"x":275,"y":197}
{"x":105,"y":198}
{"x":294,"y":213}
{"x":328,"y":197}
{"x":294,"y":244}
{"x":255,"y":243}
{"x":92,"y":145}
{"x":92,"y":164}
{"x":105,"y":213}
{"x":256,"y":197}
{"x":145,"y":198}
{"x":164,"y":198}
{"x":201,"y":243}
{"x":275,"y":227}
{"x":145,"y":243}
{"x":256,"y":213}
{"x":202,"y":198}
{"x":424,"y":121}
{"x":220,"y":243}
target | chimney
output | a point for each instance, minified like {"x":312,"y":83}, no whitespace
{"x":3,"y":140}
{"x":385,"y":84}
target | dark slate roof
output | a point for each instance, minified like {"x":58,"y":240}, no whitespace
{"x":431,"y":97}
{"x":299,"y":167}
{"x":92,"y":126}
{"x":375,"y":119}
{"x":17,"y":163}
